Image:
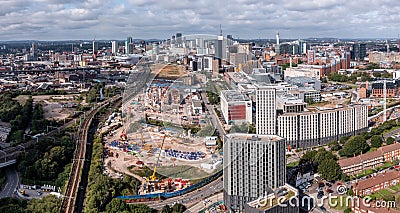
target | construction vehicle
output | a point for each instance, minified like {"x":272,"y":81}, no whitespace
{"x":123,"y":135}
{"x":153,"y":176}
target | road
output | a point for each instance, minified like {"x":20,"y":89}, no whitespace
{"x":200,"y":205}
{"x":190,"y":199}
{"x":214,"y":118}
{"x":392,"y":133}
{"x":11,"y":183}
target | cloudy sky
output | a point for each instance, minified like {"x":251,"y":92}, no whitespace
{"x":117,"y":19}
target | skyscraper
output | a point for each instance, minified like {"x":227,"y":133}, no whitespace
{"x":310,"y":56}
{"x":128,"y":45}
{"x":266,"y":109}
{"x":359,"y":51}
{"x":277,"y":38}
{"x":179,"y":39}
{"x":254,"y":165}
{"x":114,"y":47}
{"x":95,"y":47}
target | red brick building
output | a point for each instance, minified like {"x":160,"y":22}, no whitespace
{"x":369,"y":160}
{"x":376,"y":183}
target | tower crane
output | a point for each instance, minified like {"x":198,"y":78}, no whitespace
{"x":153,"y":176}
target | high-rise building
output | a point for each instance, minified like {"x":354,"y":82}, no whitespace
{"x":128,"y":45}
{"x":254,"y":165}
{"x":114,"y":47}
{"x":95,"y":47}
{"x":303,"y":47}
{"x":359,"y":51}
{"x":179,"y":39}
{"x":310,"y":56}
{"x":33,"y":50}
{"x":277,"y":38}
{"x":218,"y":47}
{"x":265,"y":109}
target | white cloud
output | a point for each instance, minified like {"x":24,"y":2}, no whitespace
{"x":116,"y":19}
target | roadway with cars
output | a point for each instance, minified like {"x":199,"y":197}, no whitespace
{"x":191,"y":198}
{"x":11,"y":183}
{"x":214,"y":118}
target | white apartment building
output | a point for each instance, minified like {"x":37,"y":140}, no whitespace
{"x":320,"y":126}
{"x":266,"y":109}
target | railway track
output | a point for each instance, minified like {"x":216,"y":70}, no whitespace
{"x":70,"y":197}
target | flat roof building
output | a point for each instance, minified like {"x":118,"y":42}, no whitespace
{"x":253,"y":165}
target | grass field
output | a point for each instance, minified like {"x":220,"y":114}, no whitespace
{"x":340,"y":203}
{"x":184,"y":171}
{"x":396,"y":187}
{"x":383,"y":194}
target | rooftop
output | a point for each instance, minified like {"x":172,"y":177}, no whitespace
{"x":376,"y":180}
{"x":368,"y":156}
{"x":289,"y":99}
{"x":234,"y":95}
{"x":254,"y":137}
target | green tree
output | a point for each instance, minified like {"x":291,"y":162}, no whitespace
{"x":47,"y":204}
{"x":308,"y":157}
{"x":347,"y":210}
{"x":117,"y":206}
{"x":178,"y":208}
{"x":355,"y":145}
{"x":334,"y":145}
{"x":390,"y":140}
{"x":322,"y":155}
{"x":344,"y":139}
{"x":376,"y":141}
{"x":329,"y":169}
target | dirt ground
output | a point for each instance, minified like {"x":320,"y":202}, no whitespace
{"x":168,"y":71}
{"x":53,"y":105}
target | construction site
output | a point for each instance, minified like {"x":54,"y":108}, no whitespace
{"x":160,"y":139}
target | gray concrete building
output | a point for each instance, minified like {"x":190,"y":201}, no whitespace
{"x":253,"y":166}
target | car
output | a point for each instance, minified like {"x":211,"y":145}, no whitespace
{"x":301,"y":187}
{"x":321,"y":185}
{"x":319,"y":196}
{"x":329,"y":190}
{"x":328,"y":184}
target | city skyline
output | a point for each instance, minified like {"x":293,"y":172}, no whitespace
{"x":247,"y":19}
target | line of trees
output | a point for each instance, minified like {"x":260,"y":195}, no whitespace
{"x":102,"y":189}
{"x":324,"y":162}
